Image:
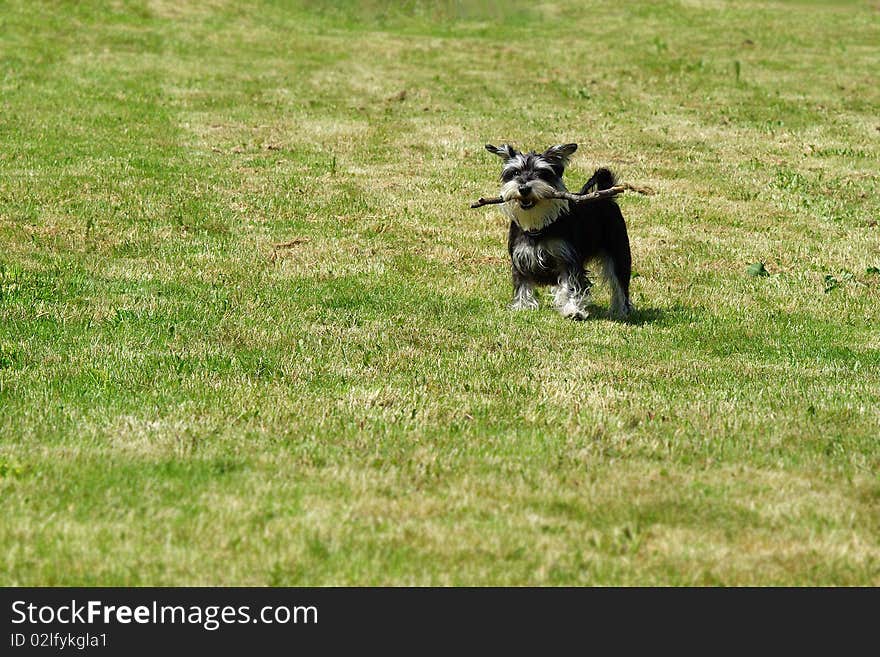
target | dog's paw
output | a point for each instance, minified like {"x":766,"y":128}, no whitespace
{"x":622,"y":311}
{"x":574,"y":312}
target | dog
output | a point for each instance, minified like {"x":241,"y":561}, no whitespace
{"x":551,"y":240}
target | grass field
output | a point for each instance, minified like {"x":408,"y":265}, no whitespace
{"x":182,"y":403}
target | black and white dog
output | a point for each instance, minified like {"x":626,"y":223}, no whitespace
{"x":551,"y":240}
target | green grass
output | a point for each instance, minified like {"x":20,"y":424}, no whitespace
{"x":179,"y":406}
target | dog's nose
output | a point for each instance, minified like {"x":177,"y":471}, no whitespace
{"x":525,"y":190}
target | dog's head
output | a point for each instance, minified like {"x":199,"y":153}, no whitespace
{"x":528,"y":182}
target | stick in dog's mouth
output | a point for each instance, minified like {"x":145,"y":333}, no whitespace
{"x":577,"y":198}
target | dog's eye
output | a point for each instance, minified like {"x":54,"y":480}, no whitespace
{"x":547,"y":175}
{"x":509,"y":174}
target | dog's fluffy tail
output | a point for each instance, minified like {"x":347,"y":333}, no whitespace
{"x":602,"y":179}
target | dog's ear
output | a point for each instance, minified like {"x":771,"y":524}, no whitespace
{"x":507,"y":151}
{"x":561,"y":152}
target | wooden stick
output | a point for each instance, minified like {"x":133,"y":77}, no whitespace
{"x":577,"y":198}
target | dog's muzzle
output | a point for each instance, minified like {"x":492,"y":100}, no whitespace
{"x":526,"y":200}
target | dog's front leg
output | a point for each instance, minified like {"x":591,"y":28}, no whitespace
{"x":523,"y":294}
{"x":571,"y":295}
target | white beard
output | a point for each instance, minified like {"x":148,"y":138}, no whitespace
{"x":542,"y":214}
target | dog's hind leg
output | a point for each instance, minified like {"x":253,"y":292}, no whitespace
{"x":617,"y":273}
{"x":618,"y":262}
